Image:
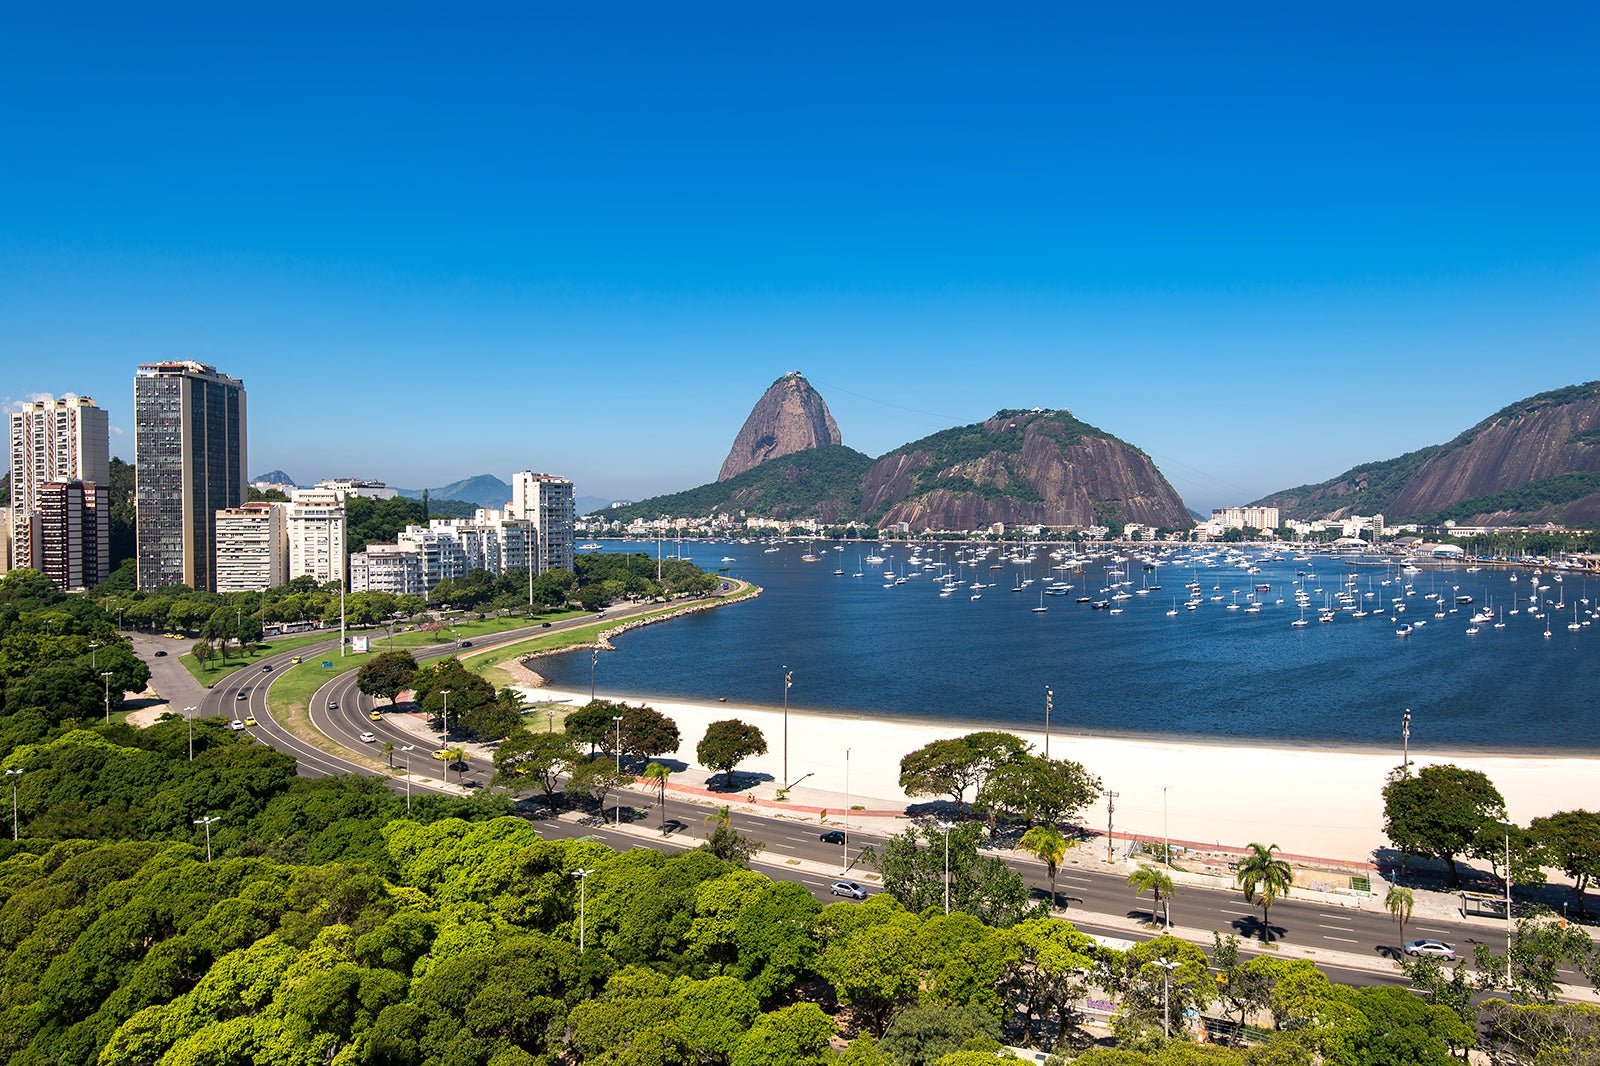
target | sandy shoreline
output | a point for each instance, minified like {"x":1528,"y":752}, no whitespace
{"x":1310,"y":800}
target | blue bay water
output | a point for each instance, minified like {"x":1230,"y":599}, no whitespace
{"x":856,"y":646}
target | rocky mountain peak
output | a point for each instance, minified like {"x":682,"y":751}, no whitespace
{"x":790,"y":417}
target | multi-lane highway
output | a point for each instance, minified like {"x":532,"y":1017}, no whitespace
{"x":343,"y":713}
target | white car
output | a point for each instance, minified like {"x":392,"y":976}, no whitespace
{"x":368,"y":738}
{"x":236,"y":725}
{"x":848,"y":888}
{"x":1437,"y":949}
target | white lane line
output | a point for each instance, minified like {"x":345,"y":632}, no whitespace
{"x":1343,"y":939}
{"x":1336,"y":917}
{"x":1341,"y":928}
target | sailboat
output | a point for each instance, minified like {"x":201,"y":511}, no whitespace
{"x":1301,"y":624}
{"x":1041,"y":609}
{"x":1574,"y":625}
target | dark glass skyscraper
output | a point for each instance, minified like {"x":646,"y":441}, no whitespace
{"x":189,"y":448}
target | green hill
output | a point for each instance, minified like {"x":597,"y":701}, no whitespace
{"x":822,"y":483}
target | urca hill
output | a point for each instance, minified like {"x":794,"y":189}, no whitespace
{"x":1020,"y":467}
{"x":1537,"y":460}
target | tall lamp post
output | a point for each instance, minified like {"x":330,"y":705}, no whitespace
{"x":1166,"y":840}
{"x":188,"y":721}
{"x":105,"y":676}
{"x":16,"y":779}
{"x":788,"y":680}
{"x":617,"y":718}
{"x":947,"y":826}
{"x":583,"y":913}
{"x":444,"y":731}
{"x":846,"y":868}
{"x":1167,"y":966}
{"x":206,"y":822}
{"x":408,"y":749}
{"x":1049,"y":703}
{"x":1405,"y":744}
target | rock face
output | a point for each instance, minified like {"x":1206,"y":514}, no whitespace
{"x":1021,"y":468}
{"x":1536,"y":460}
{"x":790,"y":417}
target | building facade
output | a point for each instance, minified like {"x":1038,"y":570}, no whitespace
{"x":190,"y":451}
{"x":1245,"y":517}
{"x":354,"y":486}
{"x":252,"y":551}
{"x":53,"y":440}
{"x":316,"y":530}
{"x":73,"y":533}
{"x":547,"y":502}
{"x":392,"y":568}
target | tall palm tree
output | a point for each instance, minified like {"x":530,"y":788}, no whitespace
{"x":1400,"y":902}
{"x":1264,"y":878}
{"x":659,"y":773}
{"x":1158,"y":884}
{"x":457,"y":756}
{"x":1045,"y":843}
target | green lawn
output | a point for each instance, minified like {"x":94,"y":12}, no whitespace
{"x":470,"y":630}
{"x":219,"y":668}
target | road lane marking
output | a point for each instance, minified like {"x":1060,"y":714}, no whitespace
{"x":1344,"y":939}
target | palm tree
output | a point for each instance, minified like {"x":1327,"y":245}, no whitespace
{"x":455,"y":756}
{"x":388,"y":749}
{"x":1400,"y":902}
{"x":1264,"y":878}
{"x":659,"y":773}
{"x":1158,"y":884}
{"x":1046,"y":844}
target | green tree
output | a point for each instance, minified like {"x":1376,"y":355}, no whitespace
{"x":1038,"y":790}
{"x":952,"y":766}
{"x":1540,"y":1033}
{"x":727,"y":843}
{"x":1045,"y":843}
{"x":1263,"y":878}
{"x":1158,"y":883}
{"x":646,"y":732}
{"x":539,"y":757}
{"x":1572,"y":841}
{"x":920,"y":1035}
{"x":1400,"y":902}
{"x":796,"y":1035}
{"x":1046,"y":972}
{"x":387,"y":674}
{"x":1142,"y":984}
{"x":659,"y":773}
{"x":726,"y":744}
{"x":203,"y":652}
{"x":1244,"y":989}
{"x":595,"y":724}
{"x":913,"y":867}
{"x":1541,"y":946}
{"x":594,"y":780}
{"x":1439,"y":812}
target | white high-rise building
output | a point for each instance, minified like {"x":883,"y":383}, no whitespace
{"x":252,"y":551}
{"x":395,"y":568}
{"x":316,"y":532}
{"x":53,"y":440}
{"x":354,"y":486}
{"x":546,"y":501}
{"x":441,"y":552}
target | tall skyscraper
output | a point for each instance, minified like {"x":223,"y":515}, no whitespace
{"x":189,"y":447}
{"x":546,"y":501}
{"x":64,"y":439}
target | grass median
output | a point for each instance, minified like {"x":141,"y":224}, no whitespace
{"x":218,"y":667}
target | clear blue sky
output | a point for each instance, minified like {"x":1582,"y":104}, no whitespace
{"x":1264,"y":242}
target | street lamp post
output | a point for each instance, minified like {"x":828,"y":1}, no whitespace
{"x":407,"y":749}
{"x":1166,"y":840}
{"x":1405,"y":744}
{"x":94,"y":655}
{"x":788,"y":680}
{"x":105,"y":676}
{"x":583,"y":914}
{"x":846,"y":868}
{"x":1167,"y":966}
{"x":444,"y":731}
{"x":1049,"y":704}
{"x":947,"y":826}
{"x":206,"y":822}
{"x":16,"y":779}
{"x":1111,"y":812}
{"x":617,"y":718}
{"x":551,"y":726}
{"x":188,"y":721}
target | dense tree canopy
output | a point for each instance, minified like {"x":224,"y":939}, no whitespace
{"x":1439,"y":811}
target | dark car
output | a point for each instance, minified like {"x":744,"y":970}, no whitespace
{"x":266,"y":668}
{"x":466,"y":643}
{"x":160,"y":654}
{"x":243,"y":694}
{"x":542,"y":625}
{"x":832,"y":836}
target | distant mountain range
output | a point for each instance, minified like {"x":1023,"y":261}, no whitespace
{"x":1537,"y":460}
{"x":1020,"y":467}
{"x":275,"y":477}
{"x":485,"y":490}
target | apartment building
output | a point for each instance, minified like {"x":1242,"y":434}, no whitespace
{"x":316,"y":532}
{"x":54,"y":440}
{"x":252,"y":548}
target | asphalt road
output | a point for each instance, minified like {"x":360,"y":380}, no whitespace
{"x":1310,"y":925}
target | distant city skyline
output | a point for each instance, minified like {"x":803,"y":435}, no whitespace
{"x":1264,"y":245}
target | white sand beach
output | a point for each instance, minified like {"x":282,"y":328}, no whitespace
{"x":1312,"y":801}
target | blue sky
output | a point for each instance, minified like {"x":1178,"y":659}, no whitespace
{"x":1262,"y":241}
